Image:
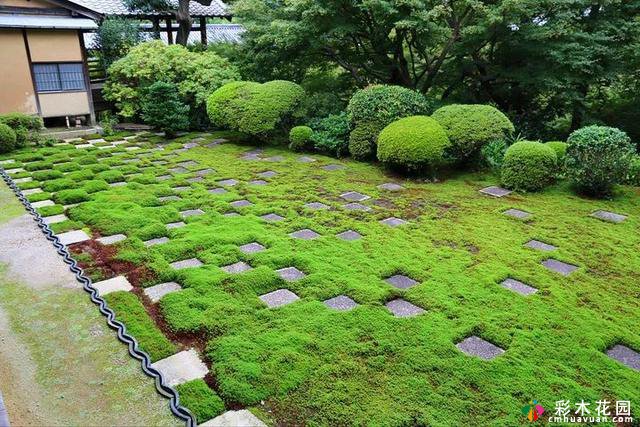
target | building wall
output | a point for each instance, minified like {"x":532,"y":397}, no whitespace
{"x":54,"y":46}
{"x":17,"y":92}
{"x":28,"y":3}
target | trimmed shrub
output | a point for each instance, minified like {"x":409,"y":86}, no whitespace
{"x":7,"y":139}
{"x":633,"y":175}
{"x":21,"y":120}
{"x":162,"y":108}
{"x":58,"y":184}
{"x":331,"y":134}
{"x":68,"y":197}
{"x":362,"y":140}
{"x":413,"y":143}
{"x":471,"y":126}
{"x":493,"y":154}
{"x":47,"y":175}
{"x":597,"y":158}
{"x":203,"y":402}
{"x":300,"y":138}
{"x":528,"y":166}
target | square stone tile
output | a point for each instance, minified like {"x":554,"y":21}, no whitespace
{"x":217,"y":191}
{"x":316,"y":206}
{"x":156,"y":292}
{"x":540,"y":246}
{"x":181,"y":188}
{"x":306,"y":159}
{"x":21,"y":180}
{"x":393,"y":222}
{"x":250,"y":156}
{"x":231,"y":214}
{"x":181,"y":368}
{"x":305,"y":234}
{"x":272,"y":217}
{"x":42,"y":203}
{"x":118,"y":184}
{"x":191,"y":212}
{"x":402,"y":308}
{"x":349,"y":235}
{"x":391,"y":186}
{"x":71,"y":237}
{"x":14,"y":170}
{"x":559,"y":266}
{"x":80,"y":146}
{"x":341,"y":303}
{"x":204,"y":172}
{"x":496,"y":191}
{"x":279,"y":298}
{"x":228,"y":182}
{"x":169,"y":198}
{"x":190,"y":145}
{"x":333,"y":167}
{"x":274,"y":159}
{"x":32,"y":191}
{"x":176,"y":224}
{"x":186,"y":263}
{"x":251,"y":248}
{"x":178,"y":170}
{"x":625,"y":355}
{"x":156,"y":241}
{"x":290,"y":274}
{"x":239,"y":418}
{"x":401,"y":282}
{"x":267,"y":174}
{"x":354,"y":206}
{"x":54,"y":219}
{"x":236,"y":268}
{"x":258,"y":182}
{"x":110,"y":240}
{"x":241,"y":203}
{"x":475,"y":346}
{"x":354,"y":196}
{"x":517,"y":286}
{"x":188,"y":163}
{"x":118,"y":283}
{"x":196,"y":179}
{"x":163,"y":177}
{"x":8,"y":161}
{"x":517,"y":213}
{"x":609,"y":216}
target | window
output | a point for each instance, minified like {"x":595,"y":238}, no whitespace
{"x":58,"y":77}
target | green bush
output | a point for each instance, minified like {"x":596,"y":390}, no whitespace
{"x":300,"y":138}
{"x":203,"y":402}
{"x":331,"y":134}
{"x":493,"y":154}
{"x":597,"y":158}
{"x":67,"y":167}
{"x":47,"y":175}
{"x":58,"y":184}
{"x":95,"y":185}
{"x":111,"y":176}
{"x":36,"y":166}
{"x":560,"y":149}
{"x":7,"y":139}
{"x":413,"y":143}
{"x":362,"y":140}
{"x":21,"y":120}
{"x":162,"y":108}
{"x":471,"y":126}
{"x":528,"y":166}
{"x":69,"y":197}
{"x":31,"y":157}
{"x":633,"y":174}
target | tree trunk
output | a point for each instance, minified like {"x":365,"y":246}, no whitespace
{"x":184,"y":21}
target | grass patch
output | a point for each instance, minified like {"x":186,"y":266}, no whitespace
{"x":203,"y":402}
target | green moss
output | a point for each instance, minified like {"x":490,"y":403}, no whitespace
{"x":50,"y":210}
{"x":67,"y":167}
{"x":111,"y":176}
{"x":95,"y":185}
{"x":37,"y":197}
{"x":36,"y":166}
{"x":58,"y":184}
{"x":528,"y":166}
{"x":47,"y":175}
{"x":68,"y":197}
{"x":203,"y":402}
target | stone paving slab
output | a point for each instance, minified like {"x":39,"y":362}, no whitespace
{"x":559,"y":266}
{"x":272,"y":217}
{"x":54,"y":219}
{"x":304,"y":234}
{"x":178,"y":170}
{"x":241,"y":203}
{"x":341,"y":303}
{"x":242,"y":418}
{"x":110,"y":240}
{"x":496,"y":191}
{"x":475,"y":346}
{"x":181,"y":367}
{"x":354,"y":196}
{"x":217,"y":191}
{"x":181,"y":188}
{"x":164,"y":177}
{"x":204,"y":172}
{"x":258,"y":182}
{"x":540,"y":246}
{"x":6,"y":162}
{"x":402,"y":308}
{"x":393,"y":222}
{"x":195,"y":179}
{"x":118,"y":283}
{"x":21,"y":180}
{"x":274,"y":159}
{"x":231,"y":214}
{"x":252,"y":248}
{"x":267,"y":174}
{"x":609,"y":216}
{"x":14,"y":170}
{"x":169,"y":198}
{"x":42,"y":203}
{"x":186,"y":263}
{"x":176,"y":224}
{"x":71,"y":237}
{"x":401,"y":282}
{"x":333,"y":167}
{"x":306,"y":159}
{"x":290,"y":274}
{"x":228,"y":182}
{"x":191,"y":212}
{"x":517,"y":213}
{"x":517,"y":286}
{"x":236,"y":268}
{"x":156,"y":292}
{"x":279,"y":298}
{"x":391,"y":186}
{"x":354,"y":206}
{"x":349,"y":235}
{"x":316,"y":206}
{"x":625,"y":355}
{"x":118,"y":184}
{"x":156,"y":241}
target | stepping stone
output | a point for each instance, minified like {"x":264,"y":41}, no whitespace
{"x":95,"y":141}
{"x":212,"y":144}
{"x":279,"y":298}
{"x":71,"y":237}
{"x":496,"y":191}
{"x":188,"y":163}
{"x":42,"y":203}
{"x":349,"y":235}
{"x":16,"y":170}
{"x":73,"y":205}
{"x":316,"y":206}
{"x":333,"y":167}
{"x":354,"y":196}
{"x":402,"y":308}
{"x":217,"y":191}
{"x":625,"y":355}
{"x":156,"y":241}
{"x":181,"y":188}
{"x":79,"y":146}
{"x":517,"y":286}
{"x":110,"y":240}
{"x":258,"y":182}
{"x":559,"y":266}
{"x":196,"y":179}
{"x":609,"y":216}
{"x":181,"y":367}
{"x":517,"y":213}
{"x":176,"y":224}
{"x":267,"y":174}
{"x":178,"y":170}
{"x":191,"y":212}
{"x":250,"y":156}
{"x":272,"y":217}
{"x":390,"y":186}
{"x":228,"y":182}
{"x":241,"y":203}
{"x":401,"y":282}
{"x":155,"y":293}
{"x":127,"y":161}
{"x":252,"y":248}
{"x":241,"y":418}
{"x":32,"y":191}
{"x":290,"y":274}
{"x":393,"y":222}
{"x":21,"y":180}
{"x":6,"y":162}
{"x":231,"y":214}
{"x":118,"y":283}
{"x":274,"y":159}
{"x":169,"y":198}
{"x":306,"y":159}
{"x":117,"y":184}
{"x":305,"y":234}
{"x":341,"y":303}
{"x":541,"y":246}
{"x":190,"y":145}
{"x":475,"y":346}
{"x":54,"y":219}
{"x":163,"y":177}
{"x":204,"y":172}
{"x":356,"y":207}
{"x":186,"y":263}
{"x":236,"y":268}
{"x":131,"y":148}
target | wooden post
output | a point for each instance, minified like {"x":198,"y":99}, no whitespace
{"x":169,"y":31}
{"x":203,"y":31}
{"x":156,"y":28}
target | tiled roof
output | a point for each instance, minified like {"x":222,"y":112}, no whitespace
{"x":119,"y":8}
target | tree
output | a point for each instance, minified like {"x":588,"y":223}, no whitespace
{"x":163,"y":109}
{"x":114,"y":38}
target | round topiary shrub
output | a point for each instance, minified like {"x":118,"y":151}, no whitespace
{"x":528,"y":166}
{"x":560,"y":149}
{"x":413,"y":143}
{"x":300,"y":138}
{"x":7,"y":138}
{"x":471,"y":126}
{"x":362,"y":140}
{"x":597,"y":158}
{"x":633,"y":174}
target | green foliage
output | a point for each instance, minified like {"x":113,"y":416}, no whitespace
{"x":47,"y":175}
{"x":111,"y":176}
{"x":51,"y":210}
{"x":7,"y":139}
{"x":413,"y":143}
{"x":36,"y":166}
{"x":130,"y":311}
{"x":528,"y":166}
{"x":71,"y":196}
{"x":95,"y":185}
{"x":58,"y":184}
{"x":633,"y":174}
{"x":331,"y":134}
{"x":21,"y":120}
{"x":114,"y":38}
{"x":162,"y":108}
{"x":470,"y":127}
{"x":362,"y":140}
{"x":300,"y":138}
{"x":203,"y":402}
{"x":597,"y":158}
{"x":560,"y":148}
{"x":493,"y":154}
{"x":67,"y":167}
